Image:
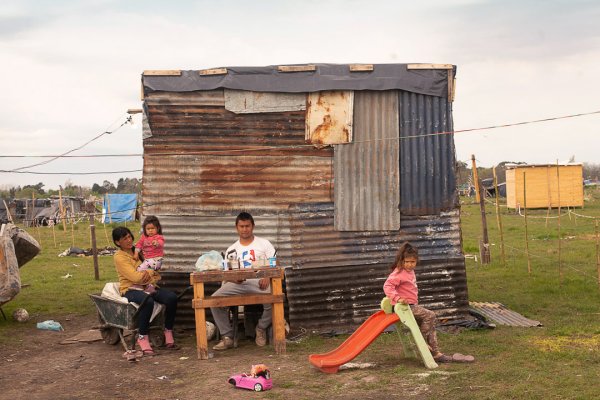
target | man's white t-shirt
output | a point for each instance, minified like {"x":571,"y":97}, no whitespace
{"x":259,"y":248}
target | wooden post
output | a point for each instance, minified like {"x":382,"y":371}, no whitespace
{"x":73,"y":231}
{"x":484,"y":245}
{"x":526,"y":230}
{"x":498,"y":218}
{"x":549,"y":196}
{"x":278,"y":318}
{"x":108,"y":209}
{"x":94,"y":249}
{"x":475,"y":178}
{"x":7,"y":211}
{"x":200,"y":317}
{"x":560,"y":273}
{"x":62,"y":210}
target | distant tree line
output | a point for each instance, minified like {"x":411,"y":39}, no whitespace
{"x":124,"y":185}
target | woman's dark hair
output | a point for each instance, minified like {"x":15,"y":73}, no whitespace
{"x":119,"y":233}
{"x":405,"y":251}
{"x":151,"y":219}
{"x":244,"y":216}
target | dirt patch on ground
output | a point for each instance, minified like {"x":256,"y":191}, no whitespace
{"x":34,"y":365}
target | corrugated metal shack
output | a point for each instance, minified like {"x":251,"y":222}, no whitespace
{"x":338,"y":164}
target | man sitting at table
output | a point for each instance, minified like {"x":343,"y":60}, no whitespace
{"x":247,"y":249}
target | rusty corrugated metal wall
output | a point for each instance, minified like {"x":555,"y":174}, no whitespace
{"x":337,"y":277}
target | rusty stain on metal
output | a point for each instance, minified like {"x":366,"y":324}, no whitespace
{"x":329,"y":117}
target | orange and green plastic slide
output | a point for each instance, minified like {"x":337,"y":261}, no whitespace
{"x":369,"y":331}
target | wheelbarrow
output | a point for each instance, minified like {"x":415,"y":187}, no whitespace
{"x":115,"y":317}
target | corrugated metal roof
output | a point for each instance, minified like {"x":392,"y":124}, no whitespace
{"x":367,"y":191}
{"x":427,"y":161}
{"x":498,"y":313}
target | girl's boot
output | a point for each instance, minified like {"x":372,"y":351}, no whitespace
{"x":144,"y":342}
{"x":169,"y":340}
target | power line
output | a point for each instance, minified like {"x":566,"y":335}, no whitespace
{"x":299,"y":146}
{"x":127,"y":120}
{"x":73,"y":173}
{"x":81,"y":156}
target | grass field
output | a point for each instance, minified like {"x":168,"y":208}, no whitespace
{"x":560,"y":360}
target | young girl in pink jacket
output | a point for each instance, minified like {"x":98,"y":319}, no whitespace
{"x":401,"y":287}
{"x":151,"y":245}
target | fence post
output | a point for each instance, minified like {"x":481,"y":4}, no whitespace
{"x":560,"y":273}
{"x":484,"y":244}
{"x":498,"y":218}
{"x":526,"y":229}
{"x":475,"y":178}
{"x":94,"y":249}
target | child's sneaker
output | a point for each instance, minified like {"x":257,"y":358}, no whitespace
{"x":224,"y":344}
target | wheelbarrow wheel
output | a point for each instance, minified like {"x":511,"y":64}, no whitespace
{"x":110,"y":335}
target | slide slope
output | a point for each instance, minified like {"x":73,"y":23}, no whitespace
{"x":373,"y":327}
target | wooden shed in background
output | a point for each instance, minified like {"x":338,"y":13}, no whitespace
{"x":338,"y":164}
{"x":546,"y":184}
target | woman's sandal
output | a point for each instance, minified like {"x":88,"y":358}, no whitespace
{"x":462,"y":358}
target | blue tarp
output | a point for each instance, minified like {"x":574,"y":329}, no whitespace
{"x":119,"y":207}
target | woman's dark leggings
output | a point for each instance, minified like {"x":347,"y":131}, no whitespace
{"x":162,"y":296}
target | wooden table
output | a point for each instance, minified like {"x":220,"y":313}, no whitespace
{"x":200,"y":304}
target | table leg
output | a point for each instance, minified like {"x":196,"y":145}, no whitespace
{"x":201,"y":340}
{"x":278,"y":319}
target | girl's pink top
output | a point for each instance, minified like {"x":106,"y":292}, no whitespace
{"x":148,"y":249}
{"x":401,"y":284}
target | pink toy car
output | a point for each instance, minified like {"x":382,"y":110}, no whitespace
{"x":258,"y":383}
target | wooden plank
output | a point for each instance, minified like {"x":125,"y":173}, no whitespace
{"x":162,"y":72}
{"x":361,"y":67}
{"x":213,"y":71}
{"x":200,"y":317}
{"x":278,"y":318}
{"x":235,"y":275}
{"x":430,"y":66}
{"x":241,"y":300}
{"x":296,"y":68}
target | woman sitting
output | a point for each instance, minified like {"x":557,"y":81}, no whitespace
{"x":132,"y":284}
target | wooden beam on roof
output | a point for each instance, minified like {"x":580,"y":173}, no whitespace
{"x":296,"y":68}
{"x":213,"y":71}
{"x":361,"y":67}
{"x":162,"y":72}
{"x":430,"y":66}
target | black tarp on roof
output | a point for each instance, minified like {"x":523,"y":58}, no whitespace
{"x":432,"y":82}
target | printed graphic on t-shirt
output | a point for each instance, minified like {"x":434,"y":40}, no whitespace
{"x":247,"y":257}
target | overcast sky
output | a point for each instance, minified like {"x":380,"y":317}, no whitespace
{"x":71,"y":69}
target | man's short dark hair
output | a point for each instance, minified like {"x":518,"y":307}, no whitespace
{"x":244,"y":216}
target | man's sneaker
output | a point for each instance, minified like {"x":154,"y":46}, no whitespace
{"x":224,"y":344}
{"x":261,"y":337}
